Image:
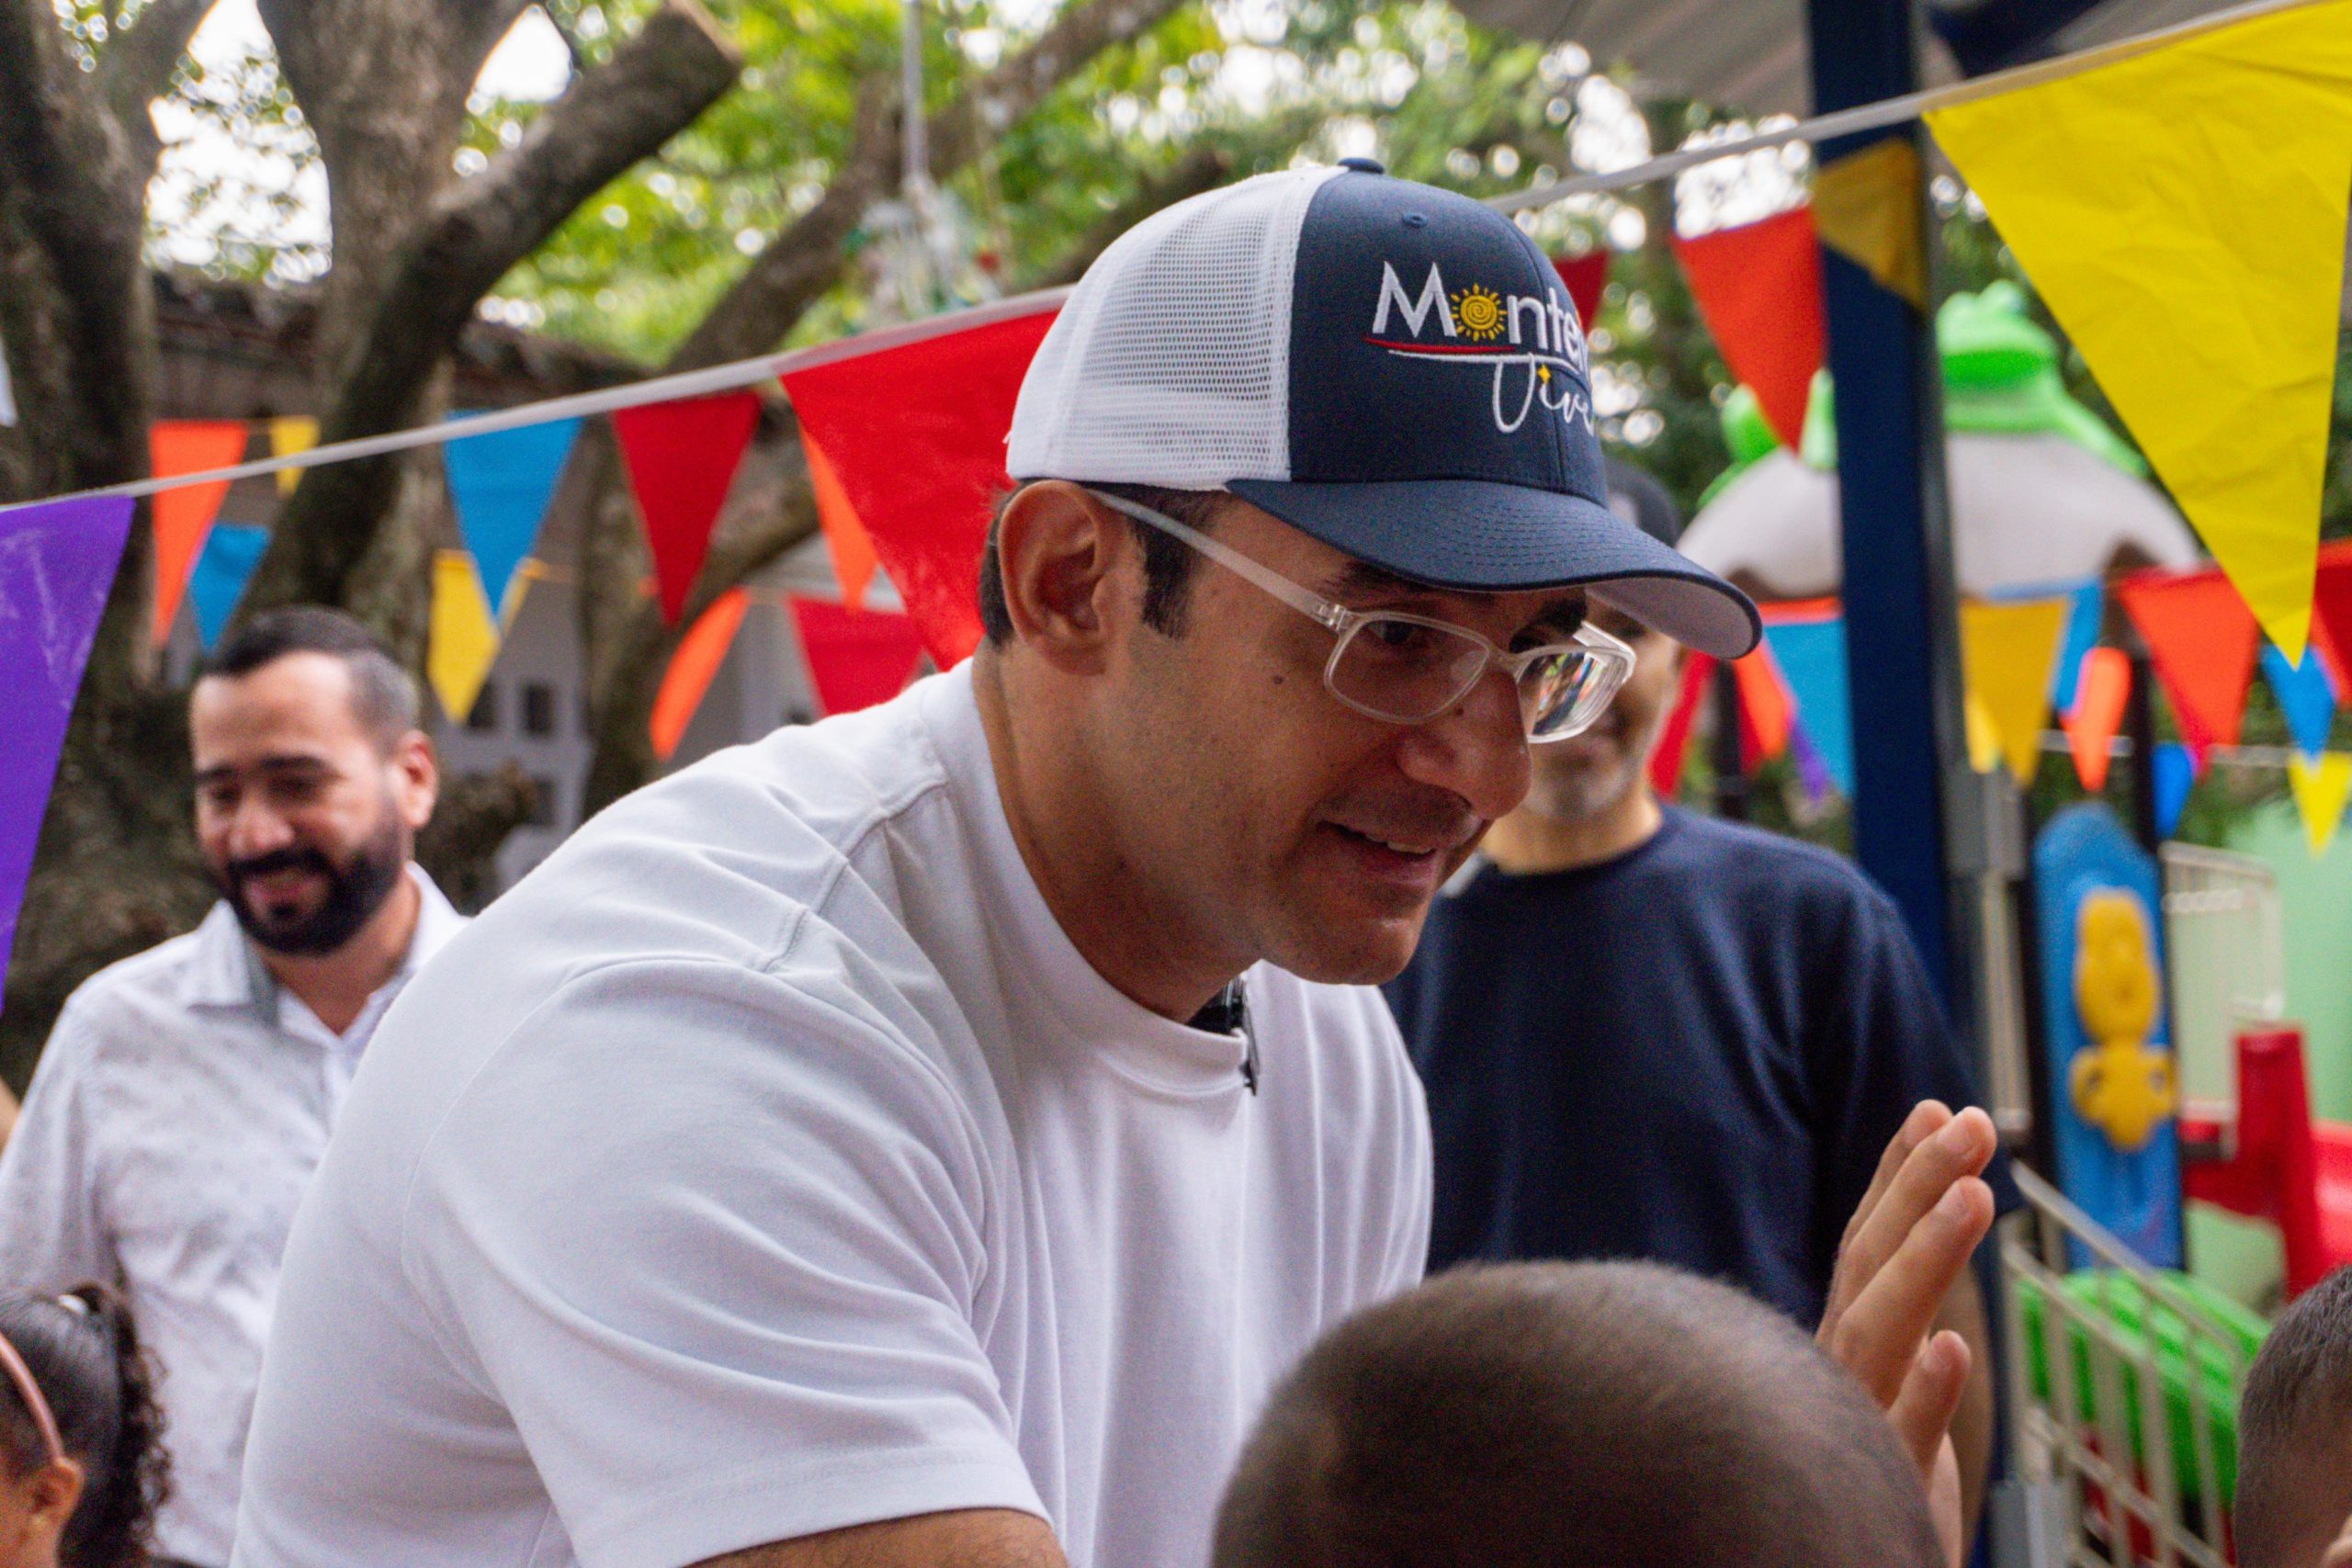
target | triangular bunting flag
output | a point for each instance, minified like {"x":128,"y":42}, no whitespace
{"x":1587,"y":276}
{"x":1759,"y":286}
{"x":681,"y":459}
{"x":57,"y":565}
{"x":2102,"y":692}
{"x":1764,"y":702}
{"x":221,"y":572}
{"x":1813,"y":773}
{"x":500,"y":485}
{"x":2006,"y":653}
{"x":692,"y":669}
{"x":2086,"y":615}
{"x":2213,"y":327}
{"x":1812,"y":657}
{"x":845,"y":536}
{"x":2202,"y":640}
{"x":2306,"y":694}
{"x":855,"y":658}
{"x":2322,"y":785}
{"x":2174,"y":769}
{"x":183,"y":516}
{"x":463,"y":641}
{"x":1674,"y":736}
{"x":290,"y":434}
{"x":915,"y":428}
{"x":2332,"y":604}
{"x":1866,"y":207}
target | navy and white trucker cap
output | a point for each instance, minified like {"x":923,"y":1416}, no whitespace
{"x":1392,"y":369}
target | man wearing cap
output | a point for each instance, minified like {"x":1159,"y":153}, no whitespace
{"x":922,"y":1138}
{"x":1648,"y":1033}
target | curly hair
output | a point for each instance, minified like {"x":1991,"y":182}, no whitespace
{"x":83,"y":1351}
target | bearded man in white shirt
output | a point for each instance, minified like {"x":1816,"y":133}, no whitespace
{"x":924,"y":1137}
{"x":185,"y":1095}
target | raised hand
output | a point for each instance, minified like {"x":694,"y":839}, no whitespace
{"x":1904,"y":1249}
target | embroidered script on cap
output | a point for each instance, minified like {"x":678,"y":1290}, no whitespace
{"x":1543,"y":334}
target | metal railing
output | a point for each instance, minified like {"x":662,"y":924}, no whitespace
{"x":2096,"y":1447}
{"x":2225,"y":933}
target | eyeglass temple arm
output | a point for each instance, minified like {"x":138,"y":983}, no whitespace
{"x":1281,"y":587}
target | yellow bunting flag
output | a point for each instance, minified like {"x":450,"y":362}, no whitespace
{"x":2007,"y":654}
{"x":2181,"y":209}
{"x":1866,"y":207}
{"x":291,"y":434}
{"x":2321,"y":789}
{"x":464,"y":641}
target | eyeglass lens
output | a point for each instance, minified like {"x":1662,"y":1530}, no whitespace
{"x":1408,"y":671}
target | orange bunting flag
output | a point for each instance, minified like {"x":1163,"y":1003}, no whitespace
{"x":914,"y":422}
{"x":2102,"y":692}
{"x":2203,"y":642}
{"x":855,"y":658}
{"x":1764,"y":701}
{"x":1759,"y":286}
{"x":681,"y":459}
{"x":182,"y":517}
{"x":693,"y":667}
{"x":845,"y":537}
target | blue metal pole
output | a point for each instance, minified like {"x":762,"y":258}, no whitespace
{"x":1901,"y":625}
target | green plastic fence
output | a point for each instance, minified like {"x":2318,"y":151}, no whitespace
{"x":2119,"y":1299}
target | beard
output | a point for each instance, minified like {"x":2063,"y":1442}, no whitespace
{"x":355,"y":891}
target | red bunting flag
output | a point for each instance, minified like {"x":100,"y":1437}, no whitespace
{"x":857,"y":657}
{"x":681,"y":459}
{"x":2202,"y":640}
{"x":182,"y":517}
{"x":914,"y":424}
{"x":2102,"y":691}
{"x":2332,"y":604}
{"x":1586,"y":277}
{"x":1674,"y":736}
{"x":693,"y":667}
{"x":1759,"y":286}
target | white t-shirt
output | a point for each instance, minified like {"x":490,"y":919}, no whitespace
{"x":769,"y":1161}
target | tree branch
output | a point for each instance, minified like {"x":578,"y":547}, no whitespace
{"x":804,"y":260}
{"x":75,"y":205}
{"x":656,"y":85}
{"x":138,"y":65}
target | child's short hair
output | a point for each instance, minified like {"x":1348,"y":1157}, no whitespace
{"x":2295,"y":1432}
{"x":1559,"y":1414}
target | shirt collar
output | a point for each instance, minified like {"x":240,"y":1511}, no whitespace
{"x":228,"y":972}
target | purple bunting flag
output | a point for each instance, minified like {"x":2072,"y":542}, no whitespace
{"x":57,"y":565}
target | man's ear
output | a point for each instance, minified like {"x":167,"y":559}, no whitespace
{"x":417,"y":774}
{"x":1060,"y":553}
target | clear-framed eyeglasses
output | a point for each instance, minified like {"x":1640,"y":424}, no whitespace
{"x":1407,"y":669}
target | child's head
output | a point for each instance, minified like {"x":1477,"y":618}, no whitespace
{"x":2295,"y":1433}
{"x":1559,"y":1413}
{"x":82,"y":1465}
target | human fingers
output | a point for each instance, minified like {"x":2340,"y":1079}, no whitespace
{"x":1955,"y":1149}
{"x":1929,"y":1397}
{"x":1926,"y":1120}
{"x":1878,"y":1337}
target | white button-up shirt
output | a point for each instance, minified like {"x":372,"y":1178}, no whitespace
{"x":179,"y":1108}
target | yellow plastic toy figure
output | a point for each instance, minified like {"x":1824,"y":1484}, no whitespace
{"x":2120,"y":1085}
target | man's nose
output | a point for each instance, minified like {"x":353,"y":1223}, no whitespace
{"x":1476,"y":748}
{"x":258,"y":828}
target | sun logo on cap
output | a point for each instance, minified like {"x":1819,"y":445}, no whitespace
{"x":1478,"y":311}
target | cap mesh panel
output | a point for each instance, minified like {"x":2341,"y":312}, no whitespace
{"x":1169,"y":365}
